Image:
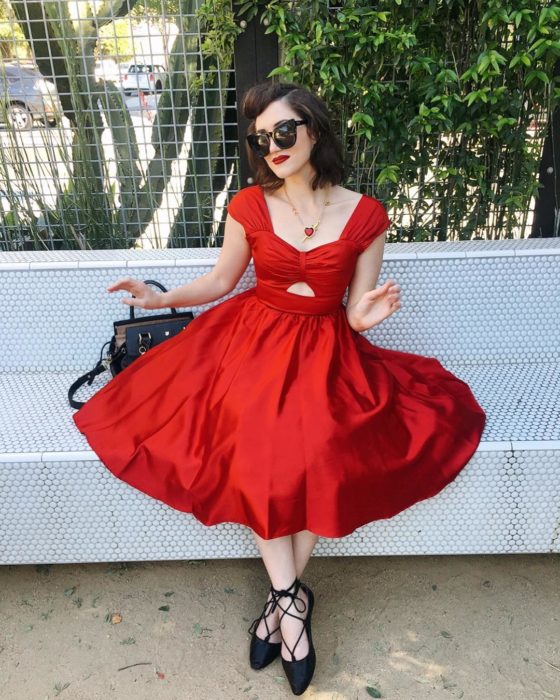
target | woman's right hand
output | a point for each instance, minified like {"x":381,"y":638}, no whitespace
{"x":144,"y":295}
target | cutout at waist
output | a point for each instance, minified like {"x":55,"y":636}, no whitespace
{"x":297,"y":303}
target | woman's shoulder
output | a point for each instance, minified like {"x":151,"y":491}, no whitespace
{"x":353,"y":197}
{"x":371,"y":219}
{"x":243,"y":196}
{"x":245,"y":207}
{"x":343,"y":195}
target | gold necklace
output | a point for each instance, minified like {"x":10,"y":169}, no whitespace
{"x":308,"y":230}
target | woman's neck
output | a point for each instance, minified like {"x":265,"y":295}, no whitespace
{"x":297,"y":188}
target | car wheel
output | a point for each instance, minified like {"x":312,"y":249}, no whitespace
{"x":19,"y":117}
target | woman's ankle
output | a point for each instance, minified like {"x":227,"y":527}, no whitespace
{"x":269,"y":627}
{"x":295,"y":641}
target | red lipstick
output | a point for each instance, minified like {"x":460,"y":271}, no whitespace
{"x":280,"y":159}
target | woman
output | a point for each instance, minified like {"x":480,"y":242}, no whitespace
{"x":271,"y":409}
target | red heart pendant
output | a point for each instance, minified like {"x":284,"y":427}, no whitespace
{"x":309,"y":231}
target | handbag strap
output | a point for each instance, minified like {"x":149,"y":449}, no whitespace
{"x":104,"y":364}
{"x":101,"y":366}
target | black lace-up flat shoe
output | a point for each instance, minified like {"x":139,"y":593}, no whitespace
{"x":299,"y":672}
{"x":261,"y":651}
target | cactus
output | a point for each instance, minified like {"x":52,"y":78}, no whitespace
{"x":97,"y":208}
{"x":180,"y":95}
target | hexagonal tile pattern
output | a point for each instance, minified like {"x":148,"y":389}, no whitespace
{"x":485,"y":309}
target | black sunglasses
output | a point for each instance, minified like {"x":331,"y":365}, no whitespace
{"x":284,"y":135}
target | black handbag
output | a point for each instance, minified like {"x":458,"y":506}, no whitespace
{"x":132,"y":338}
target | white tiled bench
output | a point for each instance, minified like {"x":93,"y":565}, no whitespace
{"x":489,"y":311}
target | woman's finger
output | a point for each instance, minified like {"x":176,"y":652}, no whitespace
{"x":128,"y":284}
{"x":119,"y":284}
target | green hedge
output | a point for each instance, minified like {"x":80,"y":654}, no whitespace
{"x":443,"y":106}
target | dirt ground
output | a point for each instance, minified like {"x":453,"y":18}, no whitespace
{"x":402,"y":627}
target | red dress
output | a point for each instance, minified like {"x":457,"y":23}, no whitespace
{"x":271,"y":411}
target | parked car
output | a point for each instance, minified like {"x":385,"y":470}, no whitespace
{"x":147,"y":77}
{"x":26,"y":97}
{"x":123,"y":70}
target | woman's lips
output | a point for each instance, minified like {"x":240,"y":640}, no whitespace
{"x":280,"y":159}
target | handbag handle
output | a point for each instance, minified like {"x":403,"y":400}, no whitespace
{"x":163,"y":289}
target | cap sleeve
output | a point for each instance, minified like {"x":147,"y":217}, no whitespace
{"x":373,"y":225}
{"x":245,"y":207}
{"x":237,"y":205}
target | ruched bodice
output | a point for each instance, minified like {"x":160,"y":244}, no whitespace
{"x":326,"y":268}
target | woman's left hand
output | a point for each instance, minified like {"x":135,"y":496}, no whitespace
{"x":376,"y":305}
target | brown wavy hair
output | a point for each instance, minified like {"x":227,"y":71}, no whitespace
{"x":327,"y":158}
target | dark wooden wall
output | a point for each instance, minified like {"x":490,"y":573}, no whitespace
{"x":256,"y":54}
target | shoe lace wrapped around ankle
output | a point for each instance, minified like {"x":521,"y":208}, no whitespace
{"x":269,"y":608}
{"x":280,"y":593}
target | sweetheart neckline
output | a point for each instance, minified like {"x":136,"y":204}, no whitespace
{"x":310,"y":250}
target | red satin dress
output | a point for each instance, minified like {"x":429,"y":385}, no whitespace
{"x":269,"y":410}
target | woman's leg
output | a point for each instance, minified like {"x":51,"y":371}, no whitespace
{"x":278,"y":558}
{"x":303,"y":543}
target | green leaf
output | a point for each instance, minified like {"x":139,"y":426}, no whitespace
{"x":281,"y":70}
{"x":536,"y":75}
{"x":476,"y":95}
{"x":483,"y":63}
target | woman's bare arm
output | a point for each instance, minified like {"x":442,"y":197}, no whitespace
{"x":367,"y":306}
{"x":235,"y":255}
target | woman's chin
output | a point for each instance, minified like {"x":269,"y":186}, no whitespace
{"x":282,"y":172}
